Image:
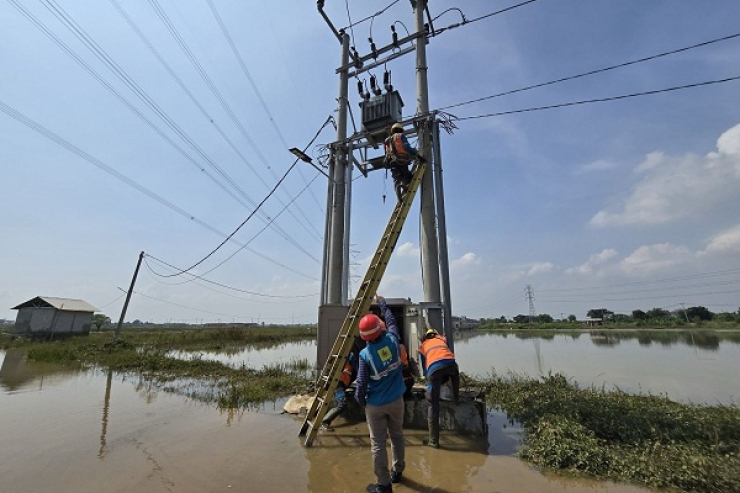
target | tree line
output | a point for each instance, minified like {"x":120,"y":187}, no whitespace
{"x":692,"y":314}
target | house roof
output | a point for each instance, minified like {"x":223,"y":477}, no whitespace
{"x":61,"y":304}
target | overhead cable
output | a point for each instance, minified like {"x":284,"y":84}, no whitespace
{"x":466,"y":21}
{"x":198,"y":104}
{"x":370,"y":17}
{"x":256,"y":90}
{"x":63,"y":17}
{"x":601,"y":100}
{"x":592,"y":72}
{"x":231,"y":288}
{"x":280,"y":181}
{"x":654,"y":281}
{"x":20,"y":117}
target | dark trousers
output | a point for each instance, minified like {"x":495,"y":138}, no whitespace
{"x":438,"y":378}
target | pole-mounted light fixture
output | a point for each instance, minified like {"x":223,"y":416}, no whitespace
{"x":301,"y":155}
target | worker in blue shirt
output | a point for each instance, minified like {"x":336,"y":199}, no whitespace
{"x":380,"y":389}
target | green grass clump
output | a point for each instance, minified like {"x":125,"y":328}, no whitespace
{"x":644,"y":439}
{"x":147,"y":355}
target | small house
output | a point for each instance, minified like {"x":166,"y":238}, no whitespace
{"x":44,"y":315}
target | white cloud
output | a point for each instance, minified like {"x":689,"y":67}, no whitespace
{"x":650,"y":258}
{"x":725,"y":241}
{"x":679,"y":187}
{"x":539,"y":268}
{"x":528,"y":271}
{"x":594,"y":261}
{"x":468,"y":259}
{"x":729,"y":142}
{"x":408,"y":249}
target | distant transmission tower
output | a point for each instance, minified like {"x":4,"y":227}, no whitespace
{"x":530,"y":299}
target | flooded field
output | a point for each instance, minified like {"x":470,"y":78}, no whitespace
{"x":65,"y":430}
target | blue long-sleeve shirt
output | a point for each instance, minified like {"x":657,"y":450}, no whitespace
{"x":380,"y":373}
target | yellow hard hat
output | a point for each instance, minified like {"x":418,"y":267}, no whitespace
{"x":396,"y":127}
{"x":430,"y":332}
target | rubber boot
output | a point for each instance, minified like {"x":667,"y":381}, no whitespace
{"x":331,"y":416}
{"x":433,"y":433}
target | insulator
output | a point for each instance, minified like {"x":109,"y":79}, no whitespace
{"x":359,"y":87}
{"x":395,"y":36}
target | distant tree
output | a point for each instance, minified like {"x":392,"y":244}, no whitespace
{"x":601,"y":313}
{"x":521,"y":319}
{"x":502,"y":319}
{"x":726,"y":317}
{"x":544,"y":318}
{"x":658,"y":314}
{"x":699,"y":312}
{"x":639,"y":315}
{"x":622,"y":317}
{"x":99,"y":320}
{"x":572,"y":318}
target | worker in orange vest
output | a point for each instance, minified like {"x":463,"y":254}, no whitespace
{"x":398,"y":156}
{"x":346,"y":378}
{"x":439,"y":366}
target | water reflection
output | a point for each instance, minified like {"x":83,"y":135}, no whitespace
{"x":694,"y":367}
{"x":18,"y":373}
{"x":255,"y":357}
{"x":100,"y":431}
{"x":106,"y":408}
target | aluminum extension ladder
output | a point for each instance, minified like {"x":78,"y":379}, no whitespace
{"x":326,"y":384}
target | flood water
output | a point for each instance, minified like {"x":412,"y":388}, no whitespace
{"x":63,"y":430}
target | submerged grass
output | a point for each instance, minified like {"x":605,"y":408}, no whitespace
{"x":146,"y":354}
{"x":643,"y":439}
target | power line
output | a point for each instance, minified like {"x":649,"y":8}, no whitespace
{"x":256,"y":209}
{"x":466,"y":21}
{"x":601,"y":300}
{"x":601,"y":100}
{"x":636,"y":283}
{"x":256,"y":90}
{"x":370,"y":17}
{"x":197,"y":103}
{"x":231,"y":288}
{"x":60,"y":14}
{"x":592,"y":72}
{"x":190,"y":307}
{"x":20,"y":117}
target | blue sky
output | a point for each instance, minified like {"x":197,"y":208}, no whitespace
{"x":625,"y":204}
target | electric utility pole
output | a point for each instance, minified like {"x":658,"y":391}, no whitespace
{"x":428,"y":233}
{"x":335,"y":241}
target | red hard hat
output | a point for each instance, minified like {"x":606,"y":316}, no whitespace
{"x":370,"y":327}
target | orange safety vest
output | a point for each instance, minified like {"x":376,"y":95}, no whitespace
{"x":395,"y":150}
{"x":435,"y":349}
{"x":346,"y":375}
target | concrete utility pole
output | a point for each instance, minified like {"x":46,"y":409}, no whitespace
{"x":428,"y":226}
{"x":334,"y":242}
{"x":128,"y":295}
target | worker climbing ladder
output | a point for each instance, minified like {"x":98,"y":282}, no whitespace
{"x":327,"y":382}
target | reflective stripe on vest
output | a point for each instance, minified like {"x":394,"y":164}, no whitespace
{"x":435,"y":349}
{"x":378,"y":375}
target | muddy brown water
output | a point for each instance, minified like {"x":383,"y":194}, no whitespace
{"x":64,"y":431}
